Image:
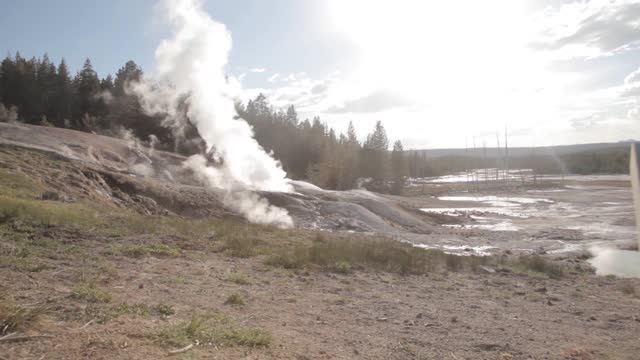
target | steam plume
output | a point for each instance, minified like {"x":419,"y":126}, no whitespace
{"x":189,"y":76}
{"x":622,"y":263}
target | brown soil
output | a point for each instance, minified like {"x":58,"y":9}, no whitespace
{"x":313,"y":314}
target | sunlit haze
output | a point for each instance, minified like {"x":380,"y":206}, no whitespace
{"x":438,"y":74}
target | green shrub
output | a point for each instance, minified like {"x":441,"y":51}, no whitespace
{"x":341,"y":267}
{"x":238,"y":278}
{"x":538,"y":264}
{"x":141,"y":250}
{"x":235,"y":299}
{"x":89,"y":291}
{"x":287,"y":259}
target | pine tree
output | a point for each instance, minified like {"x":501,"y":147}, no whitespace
{"x":374,"y":163}
{"x":106,"y":84}
{"x":351,"y":134}
{"x":292,"y":115}
{"x":63,"y":96}
{"x":130,"y":72}
{"x":399,"y":168}
{"x":87,"y":87}
{"x":46,"y":80}
{"x":379,"y":140}
{"x":7,"y":78}
{"x":29,"y":103}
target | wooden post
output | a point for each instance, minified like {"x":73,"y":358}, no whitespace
{"x":634,"y":172}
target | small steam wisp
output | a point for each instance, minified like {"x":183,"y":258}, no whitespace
{"x":189,"y":74}
{"x":621,"y":263}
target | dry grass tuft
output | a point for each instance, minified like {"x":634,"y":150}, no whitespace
{"x":538,"y":264}
{"x":235,"y":299}
{"x":90,"y":291}
{"x":211,"y":328}
{"x":14,"y":317}
{"x":141,"y":250}
{"x":238,"y":278}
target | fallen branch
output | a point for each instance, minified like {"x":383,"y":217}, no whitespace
{"x":181,"y":350}
{"x":17,"y":338}
{"x":8,"y":335}
{"x":87,"y":324}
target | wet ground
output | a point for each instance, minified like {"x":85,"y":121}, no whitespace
{"x":587,"y":211}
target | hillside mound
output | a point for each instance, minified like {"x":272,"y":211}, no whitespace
{"x":126,"y":173}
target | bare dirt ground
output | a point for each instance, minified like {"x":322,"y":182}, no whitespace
{"x":115,"y":265}
{"x":315,"y":314}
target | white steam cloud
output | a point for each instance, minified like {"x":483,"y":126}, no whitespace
{"x":189,"y":76}
{"x":622,"y":263}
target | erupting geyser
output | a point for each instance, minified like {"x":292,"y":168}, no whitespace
{"x":189,"y":70}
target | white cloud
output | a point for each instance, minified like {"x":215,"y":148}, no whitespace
{"x":632,"y":78}
{"x":296,"y":89}
{"x":589,"y":29}
{"x":437,"y":75}
{"x":273,"y":77}
{"x":376,"y":101}
{"x":257,"y":70}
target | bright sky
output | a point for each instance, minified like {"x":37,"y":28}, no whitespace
{"x":438,"y":74}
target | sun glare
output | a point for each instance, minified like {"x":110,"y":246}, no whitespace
{"x":442,"y":54}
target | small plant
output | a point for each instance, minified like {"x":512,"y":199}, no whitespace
{"x":22,"y":263}
{"x":211,"y":328}
{"x":237,"y":278}
{"x":537,"y":263}
{"x":235,"y":299}
{"x":145,"y":310}
{"x":90,"y":292}
{"x":138,"y":251}
{"x":163,"y":310}
{"x":104,"y":314}
{"x":14,"y":317}
{"x":342,"y":267}
{"x":239,"y":245}
{"x":285,"y":259}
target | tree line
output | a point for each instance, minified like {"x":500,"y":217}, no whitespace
{"x":593,"y":161}
{"x":37,"y":91}
{"x":309,"y":149}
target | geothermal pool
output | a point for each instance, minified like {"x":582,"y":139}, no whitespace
{"x":594,"y":210}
